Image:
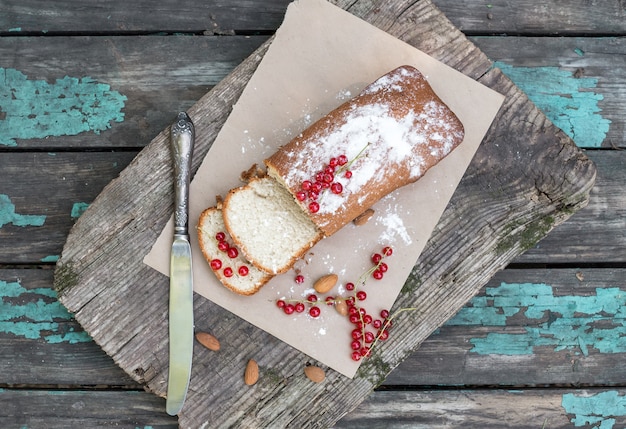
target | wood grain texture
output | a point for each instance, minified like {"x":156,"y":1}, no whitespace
{"x":526,"y":178}
{"x":154,"y":74}
{"x":528,"y":17}
{"x":55,"y":409}
{"x":134,"y":66}
{"x":541,"y":408}
{"x":215,"y":16}
{"x":580,"y":349}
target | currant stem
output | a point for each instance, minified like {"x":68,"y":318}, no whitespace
{"x":388,"y":322}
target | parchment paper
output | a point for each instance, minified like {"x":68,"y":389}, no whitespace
{"x":322,"y":56}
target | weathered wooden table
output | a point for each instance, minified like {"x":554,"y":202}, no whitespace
{"x":86,"y":88}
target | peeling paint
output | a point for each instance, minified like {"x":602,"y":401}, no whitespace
{"x":69,"y":106}
{"x":577,"y":323}
{"x":50,"y":258}
{"x":78,"y":209}
{"x":36,"y":314}
{"x":567,"y":100}
{"x":599,"y":410}
{"x":9,"y":216}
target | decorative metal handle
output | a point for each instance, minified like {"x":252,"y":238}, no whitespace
{"x":182,"y":138}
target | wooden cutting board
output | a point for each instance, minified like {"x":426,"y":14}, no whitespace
{"x":527,"y":177}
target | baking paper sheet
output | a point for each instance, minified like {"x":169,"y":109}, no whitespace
{"x":322,"y":56}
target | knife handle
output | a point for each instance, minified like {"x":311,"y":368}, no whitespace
{"x":182,"y":138}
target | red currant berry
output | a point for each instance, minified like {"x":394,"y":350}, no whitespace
{"x":299,"y":307}
{"x":329,"y":169}
{"x":328,"y":178}
{"x":349,"y":286}
{"x":350,"y":301}
{"x":333,"y":162}
{"x":306,"y":185}
{"x":369,"y":337}
{"x":319,"y":176}
{"x":336,"y":188}
{"x":378,"y":274}
{"x":361,"y":295}
{"x":356,"y":334}
{"x":232,"y":252}
{"x":228,"y":272}
{"x":315,"y":311}
{"x":313,"y":195}
{"x":216,"y":264}
{"x":383,"y":335}
{"x":325,"y":185}
{"x":342,"y":160}
{"x":387,"y":251}
{"x":289,"y":308}
{"x":347,"y":174}
{"x":355,"y":345}
{"x":316,"y":187}
{"x":367,"y":319}
{"x":377,"y":324}
{"x":223,"y":246}
{"x":383,"y":267}
{"x":299,"y":279}
{"x":365,"y":351}
{"x":330,"y":300}
{"x":354,"y":318}
{"x":280,"y":303}
{"x":243,"y":271}
{"x":353,"y":310}
{"x":301,"y":195}
{"x":220,"y":236}
{"x":376,"y":258}
{"x":356,"y":356}
{"x":384,"y":313}
{"x":314,"y":207}
{"x":312,"y":298}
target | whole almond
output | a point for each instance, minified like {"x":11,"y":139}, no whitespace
{"x":342,"y":307}
{"x":315,"y":373}
{"x":326,"y":283}
{"x":251,"y":375}
{"x":363,"y":217}
{"x":208,"y":341}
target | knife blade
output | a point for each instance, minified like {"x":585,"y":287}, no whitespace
{"x":182,"y":137}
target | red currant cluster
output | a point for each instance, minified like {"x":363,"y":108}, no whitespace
{"x":232,"y":252}
{"x":310,"y":190}
{"x":367,"y":329}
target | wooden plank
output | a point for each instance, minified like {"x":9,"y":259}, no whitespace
{"x":42,"y":194}
{"x":578,"y":82}
{"x":432,"y":409}
{"x":504,"y":205}
{"x":38,"y":334}
{"x":540,"y":408}
{"x":580,"y":239}
{"x":136,"y":83}
{"x":527,"y":17}
{"x":587,"y":70}
{"x":221,"y":17}
{"x":496,"y":17}
{"x":529,"y":328}
{"x":62,"y":409}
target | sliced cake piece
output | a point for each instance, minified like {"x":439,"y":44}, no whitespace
{"x":225,"y":259}
{"x":268,"y":225}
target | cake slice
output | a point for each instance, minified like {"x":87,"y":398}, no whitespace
{"x":231,"y":268}
{"x":268,"y":225}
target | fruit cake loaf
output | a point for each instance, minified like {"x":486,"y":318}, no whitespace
{"x":386,"y":137}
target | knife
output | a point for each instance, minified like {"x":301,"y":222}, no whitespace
{"x":182,"y":138}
